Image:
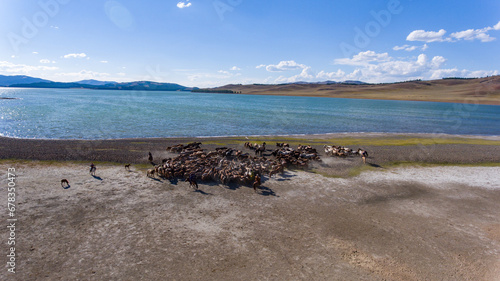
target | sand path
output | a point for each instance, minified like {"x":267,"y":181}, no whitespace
{"x":439,"y":223}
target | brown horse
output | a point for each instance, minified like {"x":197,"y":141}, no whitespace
{"x":150,"y":173}
{"x":192,"y":183}
{"x":260,"y":149}
{"x":256,"y":183}
{"x":127,"y":167}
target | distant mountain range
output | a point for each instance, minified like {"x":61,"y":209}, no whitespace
{"x":6,"y":81}
{"x":21,"y":81}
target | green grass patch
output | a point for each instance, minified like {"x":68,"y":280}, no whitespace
{"x":324,"y":174}
{"x":398,"y":140}
{"x":405,"y":141}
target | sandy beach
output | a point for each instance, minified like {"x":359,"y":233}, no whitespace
{"x":424,"y":207}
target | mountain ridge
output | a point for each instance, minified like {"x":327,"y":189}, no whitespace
{"x":22,"y":81}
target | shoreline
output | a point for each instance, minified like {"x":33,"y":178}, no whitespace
{"x":384,"y":149}
{"x":274,"y":136}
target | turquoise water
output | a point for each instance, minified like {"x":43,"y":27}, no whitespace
{"x":102,"y":114}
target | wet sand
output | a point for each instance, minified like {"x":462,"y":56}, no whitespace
{"x":420,"y":221}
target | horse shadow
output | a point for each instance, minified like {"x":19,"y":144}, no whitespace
{"x":202,"y":192}
{"x":97,"y":177}
{"x":266,"y":191}
{"x":286,"y":176}
{"x":374,"y":165}
{"x":155,"y":179}
{"x":211,"y":183}
{"x":232,"y":186}
{"x":282,"y":179}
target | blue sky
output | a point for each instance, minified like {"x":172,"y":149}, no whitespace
{"x":218,"y":42}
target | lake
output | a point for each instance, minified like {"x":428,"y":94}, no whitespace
{"x":110,"y":114}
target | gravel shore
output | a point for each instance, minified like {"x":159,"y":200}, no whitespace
{"x":421,"y":221}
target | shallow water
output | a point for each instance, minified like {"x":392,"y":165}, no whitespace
{"x":109,"y":114}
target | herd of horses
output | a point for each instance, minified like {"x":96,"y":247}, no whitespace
{"x":228,"y":165}
{"x":341,"y":151}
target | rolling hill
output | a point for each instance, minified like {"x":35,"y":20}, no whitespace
{"x":478,"y":90}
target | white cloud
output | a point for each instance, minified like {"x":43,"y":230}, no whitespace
{"x":182,"y":5}
{"x":426,"y":36}
{"x":260,"y":66}
{"x":469,"y":35}
{"x":372,"y":70}
{"x":409,"y":48}
{"x":370,"y":67}
{"x":80,"y":55}
{"x":400,"y":69}
{"x":339,"y":74}
{"x":224,"y":72}
{"x":437,"y":61}
{"x":54,"y":27}
{"x":81,"y":75}
{"x":36,"y":53}
{"x":404,"y":47}
{"x":307,"y":74}
{"x":472,"y":34}
{"x":454,"y":72}
{"x":363,"y":58}
{"x":235,"y":68}
{"x":497,"y":26}
{"x":104,"y":61}
{"x":283,"y":66}
{"x":218,"y":78}
{"x":23,"y":69}
{"x":44,"y":61}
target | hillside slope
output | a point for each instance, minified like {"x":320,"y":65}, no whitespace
{"x":480,"y":90}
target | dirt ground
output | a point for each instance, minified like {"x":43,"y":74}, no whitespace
{"x":407,"y":223}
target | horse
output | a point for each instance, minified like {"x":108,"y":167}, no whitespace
{"x":256,"y":183}
{"x":92,"y":169}
{"x":150,"y":173}
{"x":192,"y":183}
{"x":260,"y":149}
{"x":64,"y":183}
{"x":364,"y":154}
{"x":127,"y":167}
{"x":150,"y":157}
